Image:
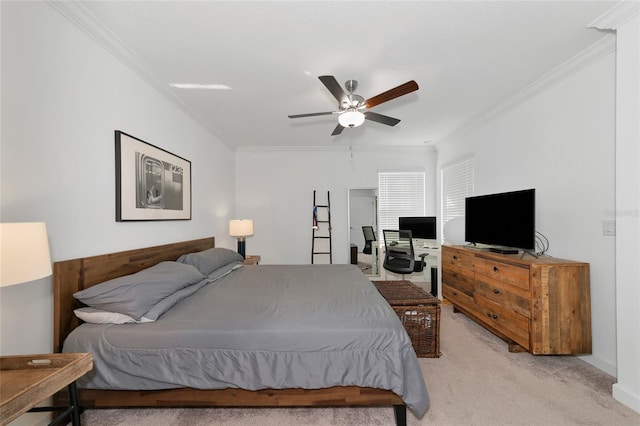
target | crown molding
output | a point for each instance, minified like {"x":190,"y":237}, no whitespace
{"x":83,"y":19}
{"x":568,"y":68}
{"x":616,"y":16}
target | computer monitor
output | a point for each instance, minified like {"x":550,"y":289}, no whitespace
{"x":421,"y":227}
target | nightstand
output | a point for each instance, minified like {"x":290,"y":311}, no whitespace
{"x":29,"y":379}
{"x":252,"y":260}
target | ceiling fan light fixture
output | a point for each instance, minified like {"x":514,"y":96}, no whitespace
{"x":351,"y":118}
{"x":351,"y":106}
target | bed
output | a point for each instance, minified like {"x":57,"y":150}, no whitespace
{"x":291,"y":352}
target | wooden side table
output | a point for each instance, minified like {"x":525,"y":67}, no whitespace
{"x":27,"y":380}
{"x":252,"y":260}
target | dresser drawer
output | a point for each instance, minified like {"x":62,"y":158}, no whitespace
{"x":457,"y":259}
{"x":458,"y":297}
{"x":514,"y":275}
{"x":506,"y":321}
{"x":459,"y":279}
{"x":506,"y":295}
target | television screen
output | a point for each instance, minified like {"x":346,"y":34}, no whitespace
{"x":422,"y":227}
{"x":506,"y":219}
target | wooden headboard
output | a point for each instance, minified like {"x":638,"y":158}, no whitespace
{"x":70,"y":276}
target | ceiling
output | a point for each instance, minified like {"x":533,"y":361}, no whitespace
{"x":466,"y":56}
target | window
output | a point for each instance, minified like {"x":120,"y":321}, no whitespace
{"x":399,"y":194}
{"x":456,"y":183}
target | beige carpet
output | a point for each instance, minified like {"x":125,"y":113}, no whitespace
{"x":475,"y":382}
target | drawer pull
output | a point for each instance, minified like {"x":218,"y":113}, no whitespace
{"x":496,"y":291}
{"x":492,"y":316}
{"x":495,"y":269}
{"x":455,"y":258}
{"x":455,"y":293}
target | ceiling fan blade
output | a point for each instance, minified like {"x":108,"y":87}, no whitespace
{"x":396,"y":92}
{"x":384,"y":119}
{"x":334,"y":87}
{"x":337,"y":130}
{"x":312,"y":114}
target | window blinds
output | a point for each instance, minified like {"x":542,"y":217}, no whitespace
{"x":399,"y":194}
{"x":456,"y":183}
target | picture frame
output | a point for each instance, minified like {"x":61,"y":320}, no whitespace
{"x":151,"y":183}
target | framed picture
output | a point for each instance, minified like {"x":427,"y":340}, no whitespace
{"x":151,"y":183}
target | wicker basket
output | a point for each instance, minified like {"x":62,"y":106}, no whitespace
{"x":419,"y":313}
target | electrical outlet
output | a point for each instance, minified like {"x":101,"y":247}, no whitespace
{"x":608,"y":227}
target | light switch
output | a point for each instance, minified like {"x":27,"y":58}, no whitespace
{"x":608,"y":227}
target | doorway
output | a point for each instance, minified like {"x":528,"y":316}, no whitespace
{"x":363,"y":211}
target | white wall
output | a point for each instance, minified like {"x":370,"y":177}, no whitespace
{"x":62,"y":98}
{"x":562,"y":143}
{"x":275,"y":189}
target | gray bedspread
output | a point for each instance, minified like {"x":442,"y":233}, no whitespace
{"x":267,"y":326}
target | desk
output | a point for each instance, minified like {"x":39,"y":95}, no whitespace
{"x":27,"y":380}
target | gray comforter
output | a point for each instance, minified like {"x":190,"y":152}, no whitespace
{"x":288,"y":326}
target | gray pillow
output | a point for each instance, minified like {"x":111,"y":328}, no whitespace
{"x":135,"y":294}
{"x":163,"y":306}
{"x":209,"y":260}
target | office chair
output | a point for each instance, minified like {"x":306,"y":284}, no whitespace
{"x":399,"y":255}
{"x":369,"y":238}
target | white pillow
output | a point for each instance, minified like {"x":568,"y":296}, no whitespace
{"x":97,"y":316}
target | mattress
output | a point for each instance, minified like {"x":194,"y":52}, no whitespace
{"x":261,"y":327}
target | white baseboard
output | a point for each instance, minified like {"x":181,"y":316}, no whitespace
{"x":627,"y":398}
{"x":608,"y":368}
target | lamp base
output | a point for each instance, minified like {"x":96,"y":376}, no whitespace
{"x":241,"y":245}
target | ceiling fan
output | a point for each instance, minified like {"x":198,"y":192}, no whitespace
{"x":354,"y":109}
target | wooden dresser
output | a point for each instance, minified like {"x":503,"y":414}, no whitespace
{"x":542,"y":306}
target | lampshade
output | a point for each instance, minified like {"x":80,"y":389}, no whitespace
{"x":351,"y":118}
{"x":24,"y":253}
{"x":240,"y":227}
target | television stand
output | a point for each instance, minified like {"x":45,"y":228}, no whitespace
{"x":503,"y":250}
{"x":542,"y":306}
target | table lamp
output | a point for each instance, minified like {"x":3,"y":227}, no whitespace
{"x":24,"y":253}
{"x":241,"y":228}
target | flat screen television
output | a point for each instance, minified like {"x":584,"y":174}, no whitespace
{"x":421,"y":227}
{"x":504,"y":220}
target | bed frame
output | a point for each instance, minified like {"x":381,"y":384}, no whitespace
{"x":74,"y":275}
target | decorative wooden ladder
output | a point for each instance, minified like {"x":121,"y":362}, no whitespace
{"x":321,"y":229}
